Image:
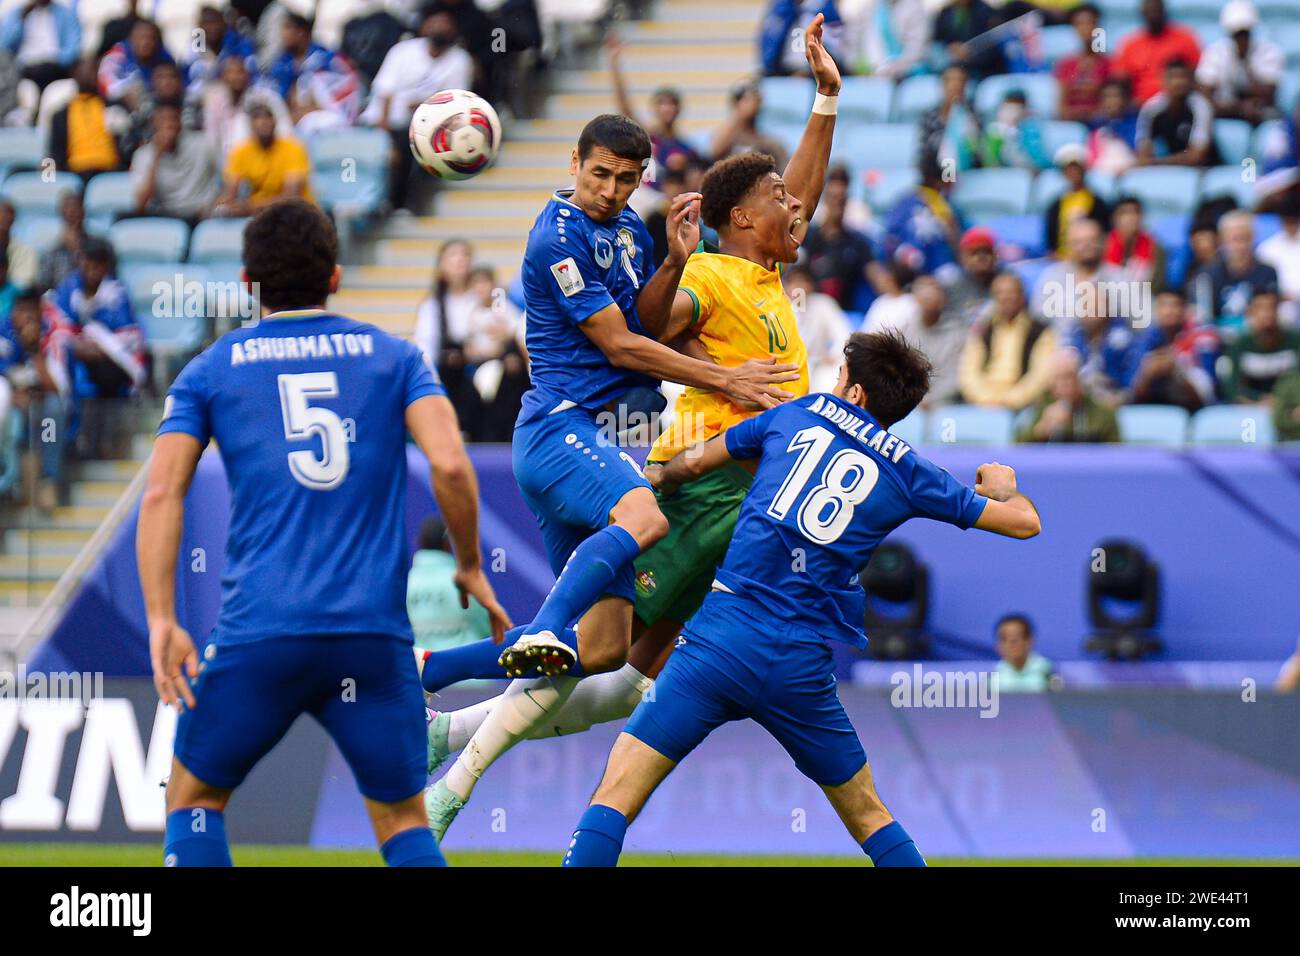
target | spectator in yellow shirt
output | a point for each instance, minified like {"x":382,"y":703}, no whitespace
{"x":263,"y":168}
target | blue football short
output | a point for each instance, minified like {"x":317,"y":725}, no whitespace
{"x":733,"y":663}
{"x":363,"y":689}
{"x":571,"y":475}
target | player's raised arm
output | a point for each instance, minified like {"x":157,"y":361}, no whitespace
{"x":753,"y":382}
{"x":157,"y":542}
{"x":1008,"y":512}
{"x":664,"y":310}
{"x":432,"y":423}
{"x":805,"y":174}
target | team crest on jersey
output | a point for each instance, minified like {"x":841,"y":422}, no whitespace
{"x":567,"y":276}
{"x":646,"y":583}
{"x":604,"y":252}
{"x":626,"y":240}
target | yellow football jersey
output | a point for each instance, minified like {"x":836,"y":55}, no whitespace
{"x":741,"y":313}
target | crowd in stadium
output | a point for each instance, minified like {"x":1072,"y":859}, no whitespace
{"x":1071,"y":212}
{"x":180,"y":139}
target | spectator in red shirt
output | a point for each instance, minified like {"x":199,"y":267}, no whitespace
{"x":1081,"y":76}
{"x":1144,"y":55}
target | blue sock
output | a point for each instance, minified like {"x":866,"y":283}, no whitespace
{"x":592,"y":568}
{"x":891,"y":846}
{"x":599,"y":838}
{"x":196,"y":836}
{"x":478,"y":661}
{"x":413,"y":847}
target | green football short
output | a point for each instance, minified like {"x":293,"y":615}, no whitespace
{"x":676,"y":574}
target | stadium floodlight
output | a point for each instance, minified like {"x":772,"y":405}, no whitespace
{"x":1123,"y":586}
{"x":898,"y":603}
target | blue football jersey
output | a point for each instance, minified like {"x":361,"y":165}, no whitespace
{"x":308,"y":412}
{"x":573,"y":268}
{"x":830,"y":485}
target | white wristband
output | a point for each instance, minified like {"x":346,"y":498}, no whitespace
{"x":826,"y":105}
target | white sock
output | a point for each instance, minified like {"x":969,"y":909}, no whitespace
{"x":597,"y":700}
{"x":516,"y":714}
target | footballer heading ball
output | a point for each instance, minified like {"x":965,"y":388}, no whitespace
{"x":455,"y":134}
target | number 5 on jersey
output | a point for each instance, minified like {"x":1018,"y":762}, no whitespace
{"x":302,"y":421}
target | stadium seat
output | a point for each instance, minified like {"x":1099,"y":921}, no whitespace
{"x":1164,"y":425}
{"x":359,"y":195}
{"x":866,"y":99}
{"x":367,"y":148}
{"x":31,"y":193}
{"x":1243,"y":426}
{"x":885,"y":187}
{"x":1041,"y":91}
{"x":885,"y":145}
{"x":1233,"y":139}
{"x":914,"y":96}
{"x":1030,"y":270}
{"x":1195,"y":11}
{"x":1025,"y":232}
{"x":217,"y":239}
{"x":1162,"y":189}
{"x":40,"y":232}
{"x":1059,"y":42}
{"x":787,"y":132}
{"x":1207,"y":33}
{"x":992,"y":192}
{"x":970,"y":425}
{"x":149,"y":239}
{"x":787,"y":98}
{"x":1266,"y":225}
{"x":110,"y":194}
{"x":1288,"y":91}
{"x":912,"y":429}
{"x":1287,"y":36}
{"x":1058,"y":133}
{"x":1227,"y":181}
{"x":20,"y":148}
{"x":171,"y":300}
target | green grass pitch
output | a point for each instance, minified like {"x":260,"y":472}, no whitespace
{"x":88,"y":854}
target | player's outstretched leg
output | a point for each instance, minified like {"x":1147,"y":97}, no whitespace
{"x":633,"y":772}
{"x":486,"y":660}
{"x":403,"y":838}
{"x":881,"y":836}
{"x":598,"y":561}
{"x":597,"y":700}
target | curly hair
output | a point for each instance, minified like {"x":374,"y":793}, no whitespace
{"x":290,"y":249}
{"x":894,"y":374}
{"x":727,"y":184}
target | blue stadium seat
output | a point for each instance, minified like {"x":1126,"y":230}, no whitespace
{"x":367,"y":148}
{"x":970,"y":425}
{"x":992,"y":192}
{"x":1162,"y":189}
{"x":1287,"y":36}
{"x":21,"y":147}
{"x":1030,"y":270}
{"x":1233,"y":139}
{"x":912,"y":429}
{"x":885,"y":187}
{"x":216,"y":239}
{"x":1041,"y":91}
{"x":866,"y":99}
{"x":885,"y":145}
{"x":40,"y":232}
{"x":1227,"y":181}
{"x":361,"y":195}
{"x":1243,"y":426}
{"x":1195,"y":11}
{"x":1058,"y":133}
{"x":30,"y":193}
{"x":1025,"y":232}
{"x":787,"y":131}
{"x":1266,"y":225}
{"x":150,"y":239}
{"x":787,"y":98}
{"x":1050,"y":183}
{"x":1059,"y":42}
{"x":1288,"y":90}
{"x":110,"y":194}
{"x":914,"y":96}
{"x":1207,"y":32}
{"x":1164,"y":425}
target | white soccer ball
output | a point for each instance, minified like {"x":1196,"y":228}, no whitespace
{"x":455,"y":134}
